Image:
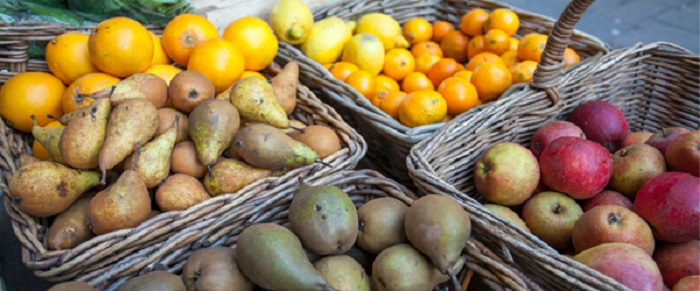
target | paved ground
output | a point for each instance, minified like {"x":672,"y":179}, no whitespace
{"x":621,"y":23}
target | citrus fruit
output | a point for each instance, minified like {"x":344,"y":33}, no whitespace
{"x":366,"y":51}
{"x":391,"y":103}
{"x":363,"y":82}
{"x":38,"y":150}
{"x":466,"y":74}
{"x":485,"y":57}
{"x":159,"y":55}
{"x":496,"y":41}
{"x":416,"y":81}
{"x":385,"y":84}
{"x":475,"y":46}
{"x":514,"y":43}
{"x":522,"y":72}
{"x":219,"y":60}
{"x":531,"y":46}
{"x":459,"y":94}
{"x":68,"y":58}
{"x":421,"y":108}
{"x":341,"y":70}
{"x":510,"y":58}
{"x":88,"y":84}
{"x":440,"y":29}
{"x":426,"y":47}
{"x":570,"y":57}
{"x":472,"y":22}
{"x":491,"y":80}
{"x":291,"y":20}
{"x":183,"y":33}
{"x":120,"y":46}
{"x":167,"y":72}
{"x":254,"y":39}
{"x":504,"y":19}
{"x":443,"y":69}
{"x":31,"y":93}
{"x":454,"y":45}
{"x":384,"y":27}
{"x":417,"y":30}
{"x":398,"y":63}
{"x":326,"y":40}
{"x":424,"y":62}
{"x":253,"y":74}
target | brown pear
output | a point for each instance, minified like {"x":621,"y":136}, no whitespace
{"x":49,"y":138}
{"x":265,"y":146}
{"x":184,"y":160}
{"x":154,"y":165}
{"x":188,"y":89}
{"x":322,"y":139}
{"x":285,"y":86}
{"x":45,"y":189}
{"x":180,"y":192}
{"x":230,"y":175}
{"x":84,"y":136}
{"x":25,"y":159}
{"x":213,"y":124}
{"x":154,"y":281}
{"x":132,"y":121}
{"x":212,"y":269}
{"x":72,"y":286}
{"x":166,"y":118}
{"x":141,"y":85}
{"x":70,"y":228}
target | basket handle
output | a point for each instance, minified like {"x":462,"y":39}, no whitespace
{"x":548,"y":73}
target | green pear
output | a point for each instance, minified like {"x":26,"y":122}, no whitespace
{"x":256,"y":102}
{"x":343,"y":273}
{"x":264,"y":146}
{"x":49,"y":138}
{"x":230,"y":175}
{"x":154,"y":165}
{"x":215,"y":268}
{"x":154,"y":281}
{"x":25,"y":159}
{"x":402,"y":267}
{"x":84,"y":136}
{"x":213,"y":124}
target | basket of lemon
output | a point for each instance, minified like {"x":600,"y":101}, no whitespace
{"x":122,"y":138}
{"x":398,"y":70}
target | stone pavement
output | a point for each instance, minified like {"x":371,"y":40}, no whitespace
{"x":620,"y":23}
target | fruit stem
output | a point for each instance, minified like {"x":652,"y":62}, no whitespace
{"x":295,"y":32}
{"x":301,"y":182}
{"x":211,"y":175}
{"x":51,"y":116}
{"x":323,"y":163}
{"x":137,"y":153}
{"x":299,"y":129}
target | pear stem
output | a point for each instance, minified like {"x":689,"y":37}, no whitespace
{"x":301,"y":182}
{"x":176,"y":125}
{"x":211,"y":175}
{"x":455,"y":282}
{"x":137,"y":153}
{"x":299,"y":129}
{"x":52,"y":116}
{"x":323,"y":163}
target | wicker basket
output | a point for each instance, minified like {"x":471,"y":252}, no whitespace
{"x":390,"y":141}
{"x":656,"y":85}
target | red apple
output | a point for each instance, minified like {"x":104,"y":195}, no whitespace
{"x":633,"y":166}
{"x":683,"y":153}
{"x":690,"y":283}
{"x":662,"y":138}
{"x":678,"y":260}
{"x":602,"y":122}
{"x":551,"y":217}
{"x":625,"y":263}
{"x":551,"y":131}
{"x":670,"y":203}
{"x":607,"y":197}
{"x":611,"y":223}
{"x":578,"y":167}
{"x":507,"y":214}
{"x":506,"y":174}
{"x":638,"y":137}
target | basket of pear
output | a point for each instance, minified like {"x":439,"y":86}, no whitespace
{"x":126,"y":172}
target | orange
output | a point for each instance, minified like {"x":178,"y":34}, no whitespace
{"x":522,"y":72}
{"x":183,"y":33}
{"x":472,"y":22}
{"x":454,"y":45}
{"x":363,"y":82}
{"x":426,"y":47}
{"x":475,"y":46}
{"x":120,"y":46}
{"x":328,"y":66}
{"x":255,"y":39}
{"x":459,"y":94}
{"x":253,"y":74}
{"x":424,"y":62}
{"x":496,"y":41}
{"x":31,"y":93}
{"x":504,"y":19}
{"x":219,"y":60}
{"x":398,"y":63}
{"x":68,"y":58}
{"x":417,"y":30}
{"x":391,"y":103}
{"x":416,"y":81}
{"x":159,"y":55}
{"x":342,"y":70}
{"x":88,"y":84}
{"x":467,"y":75}
{"x":491,"y":80}
{"x":485,"y":57}
{"x":510,"y":58}
{"x":514,"y":43}
{"x":385,"y":84}
{"x":167,"y":72}
{"x":443,"y":69}
{"x":531,"y":46}
{"x":421,"y":108}
{"x":570,"y":57}
{"x":38,"y":150}
{"x":440,"y":29}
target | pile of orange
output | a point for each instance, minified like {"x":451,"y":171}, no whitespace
{"x":450,"y":69}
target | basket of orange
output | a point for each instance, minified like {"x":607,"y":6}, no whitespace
{"x":397,"y":71}
{"x":571,"y":140}
{"x":121,"y":139}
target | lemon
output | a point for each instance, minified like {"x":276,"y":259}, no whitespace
{"x":291,"y":20}
{"x":383,"y":26}
{"x":326,"y":41}
{"x":366,"y":52}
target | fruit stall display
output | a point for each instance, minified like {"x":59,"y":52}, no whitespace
{"x":398,"y":70}
{"x":597,"y":171}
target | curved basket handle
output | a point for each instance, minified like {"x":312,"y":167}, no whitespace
{"x":548,"y":73}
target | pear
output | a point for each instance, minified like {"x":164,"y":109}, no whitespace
{"x":402,"y":267}
{"x":84,"y":136}
{"x":70,"y":227}
{"x":264,"y":146}
{"x":72,"y":286}
{"x":213,"y":124}
{"x":49,"y":139}
{"x":45,"y":189}
{"x":154,"y":281}
{"x":141,"y":85}
{"x":343,"y":273}
{"x":285,"y":86}
{"x":230,"y":175}
{"x":154,"y":166}
{"x":272,"y":257}
{"x":256,"y":102}
{"x":212,"y":269}
{"x":25,"y":159}
{"x":180,"y":192}
{"x":381,"y":224}
{"x":132,"y":121}
{"x":124,"y":204}
{"x":439,"y":227}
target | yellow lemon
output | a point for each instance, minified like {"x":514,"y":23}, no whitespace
{"x":366,"y":52}
{"x":326,"y":41}
{"x":291,"y":20}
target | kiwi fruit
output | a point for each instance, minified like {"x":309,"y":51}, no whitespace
{"x":166,"y":118}
{"x":189,"y":88}
{"x":184,"y":160}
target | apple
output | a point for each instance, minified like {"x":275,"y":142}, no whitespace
{"x":683,"y":153}
{"x":633,"y":166}
{"x":607,"y":197}
{"x":551,"y":131}
{"x":506,"y":174}
{"x":662,"y":138}
{"x":690,"y":283}
{"x":507,"y":214}
{"x":602,"y":122}
{"x":678,"y":260}
{"x":670,"y":203}
{"x":636,"y":137}
{"x":578,"y":167}
{"x":611,"y":223}
{"x":551,"y":216}
{"x":626,"y":263}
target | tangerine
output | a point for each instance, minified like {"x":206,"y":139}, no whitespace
{"x":68,"y":58}
{"x":421,"y":108}
{"x":31,"y":93}
{"x":183,"y":33}
{"x":459,"y":94}
{"x":254,"y":39}
{"x":219,"y":60}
